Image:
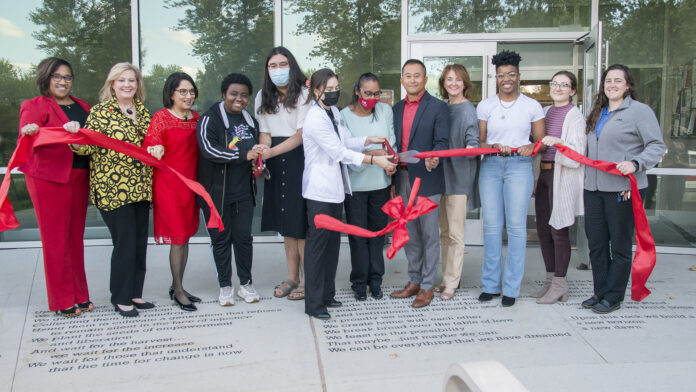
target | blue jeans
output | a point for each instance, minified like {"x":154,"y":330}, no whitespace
{"x":505,"y":185}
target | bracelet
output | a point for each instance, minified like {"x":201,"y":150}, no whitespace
{"x":371,"y":158}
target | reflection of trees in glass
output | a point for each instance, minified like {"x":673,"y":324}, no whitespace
{"x":154,"y":83}
{"x":92,"y":35}
{"x":17,"y":86}
{"x":489,"y":16}
{"x":232,"y":36}
{"x":355,"y":36}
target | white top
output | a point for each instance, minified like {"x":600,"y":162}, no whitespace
{"x":286,"y":121}
{"x":511,"y":124}
{"x":324,"y":152}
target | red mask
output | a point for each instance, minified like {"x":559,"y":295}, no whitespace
{"x":368,"y":104}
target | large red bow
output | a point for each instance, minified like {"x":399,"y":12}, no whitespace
{"x":53,"y":135}
{"x":395,"y":209}
{"x":646,"y":255}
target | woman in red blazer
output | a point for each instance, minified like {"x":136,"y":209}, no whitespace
{"x":58,"y":184}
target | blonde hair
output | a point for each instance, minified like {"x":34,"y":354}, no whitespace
{"x":106,"y":92}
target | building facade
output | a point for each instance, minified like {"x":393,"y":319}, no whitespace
{"x":656,"y":39}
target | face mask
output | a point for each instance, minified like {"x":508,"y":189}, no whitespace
{"x":368,"y":104}
{"x":280,"y":76}
{"x":331,"y":98}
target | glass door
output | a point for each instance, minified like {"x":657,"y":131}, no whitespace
{"x":476,"y":57}
{"x":591,"y":64}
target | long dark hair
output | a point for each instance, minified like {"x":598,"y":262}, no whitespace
{"x":318,"y":81}
{"x":601,"y":101}
{"x":366,"y":77}
{"x":270,"y":95}
{"x":172,"y":83}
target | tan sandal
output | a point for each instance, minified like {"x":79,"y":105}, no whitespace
{"x":297,"y":294}
{"x":447,"y":295}
{"x":439,"y":289}
{"x":285,"y":287}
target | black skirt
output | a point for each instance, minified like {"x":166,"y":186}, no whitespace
{"x":284,"y":210}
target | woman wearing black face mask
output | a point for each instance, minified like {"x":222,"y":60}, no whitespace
{"x":328,"y":148}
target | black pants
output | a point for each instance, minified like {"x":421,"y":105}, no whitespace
{"x":128,"y":226}
{"x":555,"y":244}
{"x":237,"y":219}
{"x":321,"y":258}
{"x":364,"y":209}
{"x":610,"y":229}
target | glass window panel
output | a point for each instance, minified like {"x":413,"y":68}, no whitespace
{"x":670,"y":204}
{"x":91,"y":38}
{"x":207,"y":40}
{"x":472,"y":16}
{"x":350,"y":37}
{"x":473,"y":64}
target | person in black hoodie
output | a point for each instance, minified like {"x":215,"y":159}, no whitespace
{"x":227,"y":140}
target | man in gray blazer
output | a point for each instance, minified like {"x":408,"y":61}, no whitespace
{"x":421,"y":122}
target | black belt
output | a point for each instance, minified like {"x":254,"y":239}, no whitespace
{"x":500,"y":154}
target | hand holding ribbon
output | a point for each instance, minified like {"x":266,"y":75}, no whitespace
{"x":395,"y":209}
{"x":53,"y":135}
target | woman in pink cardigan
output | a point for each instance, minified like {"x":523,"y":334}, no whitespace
{"x":558,"y":197}
{"x":58,"y":184}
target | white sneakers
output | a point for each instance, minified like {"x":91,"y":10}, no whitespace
{"x":226,"y":297}
{"x":248,"y":293}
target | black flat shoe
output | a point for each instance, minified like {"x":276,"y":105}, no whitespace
{"x":377,"y":293}
{"x":190,"y":297}
{"x":69,"y":312}
{"x":86,"y":306}
{"x":187,"y":307}
{"x":485,"y":297}
{"x":334,"y":304}
{"x":507,"y":301}
{"x":126,"y":313}
{"x":321,"y":316}
{"x":144,"y":305}
{"x":604,"y":307}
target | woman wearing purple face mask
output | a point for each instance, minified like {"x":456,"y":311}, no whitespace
{"x":366,"y":116}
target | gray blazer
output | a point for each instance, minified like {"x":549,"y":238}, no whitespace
{"x":631,"y":133}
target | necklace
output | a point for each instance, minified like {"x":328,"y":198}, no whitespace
{"x":507,"y":108}
{"x":183,"y":116}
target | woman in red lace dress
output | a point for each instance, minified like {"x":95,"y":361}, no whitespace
{"x":172,"y":138}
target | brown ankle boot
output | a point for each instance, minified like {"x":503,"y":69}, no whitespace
{"x":547,"y":285}
{"x":557,"y":292}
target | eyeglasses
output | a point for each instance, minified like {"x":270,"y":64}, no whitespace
{"x":561,"y":86}
{"x":372,"y":94}
{"x":510,"y":75}
{"x":183,"y":92}
{"x":58,"y":78}
{"x":282,"y":64}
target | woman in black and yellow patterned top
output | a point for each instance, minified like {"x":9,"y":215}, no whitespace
{"x":121,"y":186}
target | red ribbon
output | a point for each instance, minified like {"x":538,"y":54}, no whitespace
{"x":395,"y":209}
{"x":646,"y":255}
{"x":258,"y":167}
{"x":54,"y":135}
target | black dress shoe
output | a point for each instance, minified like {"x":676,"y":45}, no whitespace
{"x":187,"y":307}
{"x":590,"y":302}
{"x":377,"y":292}
{"x":126,"y":313}
{"x":321,"y":316}
{"x":333,"y":303}
{"x":604,"y":307}
{"x":485,"y":297}
{"x":360,"y":296}
{"x":144,"y":305}
{"x":507,"y":301}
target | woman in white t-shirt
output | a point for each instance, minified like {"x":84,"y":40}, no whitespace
{"x":281,"y":109}
{"x":506,"y":180}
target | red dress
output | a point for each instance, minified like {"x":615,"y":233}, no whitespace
{"x":175,"y":211}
